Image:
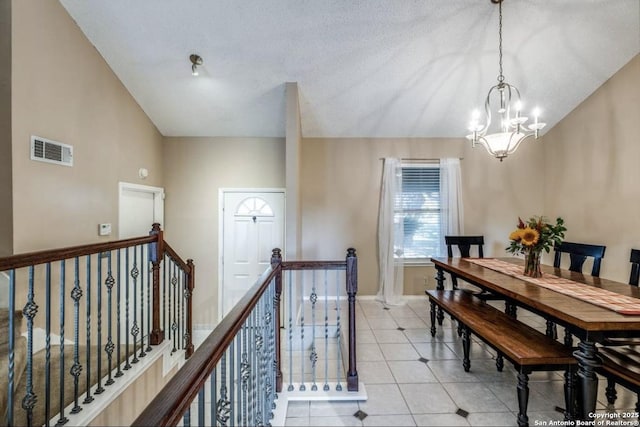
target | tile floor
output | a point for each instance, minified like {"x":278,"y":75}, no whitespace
{"x":413,"y":379}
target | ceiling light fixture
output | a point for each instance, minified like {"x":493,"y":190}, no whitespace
{"x":195,"y":61}
{"x":509,"y":131}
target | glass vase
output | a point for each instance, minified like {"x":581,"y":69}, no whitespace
{"x":532,"y":264}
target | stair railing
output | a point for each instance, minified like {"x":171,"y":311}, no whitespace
{"x":120,"y":297}
{"x":235,"y":375}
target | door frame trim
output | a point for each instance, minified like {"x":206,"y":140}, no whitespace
{"x":221,"y":193}
{"x":158,"y":201}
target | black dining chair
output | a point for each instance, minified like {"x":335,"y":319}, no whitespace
{"x":634,"y":279}
{"x":621,"y":356}
{"x":466,"y":247}
{"x":464,"y":244}
{"x":634,"y":259}
{"x":578,"y":254}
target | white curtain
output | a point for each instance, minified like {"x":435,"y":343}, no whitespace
{"x":390,"y":237}
{"x":452,"y":213}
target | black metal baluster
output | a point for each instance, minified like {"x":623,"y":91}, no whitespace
{"x":302,"y":310}
{"x":135,"y":329}
{"x":313,"y":357}
{"x":47,"y":358}
{"x":187,"y":296}
{"x":165,"y":267}
{"x":76,"y":369}
{"x":183,"y":303}
{"x":201,"y":420}
{"x":149,"y":326}
{"x":109,"y":347}
{"x":213,"y":378}
{"x":223,"y":404}
{"x":257,"y":337}
{"x":326,"y":332}
{"x":253,"y":369}
{"x":99,"y":388}
{"x":232,"y":375}
{"x":338,"y":331}
{"x":272,"y":339}
{"x":178,"y":297}
{"x":118,"y":317}
{"x":11,"y":346}
{"x":245,"y":372}
{"x":266,"y":391}
{"x":127,"y":366}
{"x":88,"y":398}
{"x":290,"y":346}
{"x":174,"y":325}
{"x":142,"y":264}
{"x":62,"y":420}
{"x":186,"y":418}
{"x":29,"y":312}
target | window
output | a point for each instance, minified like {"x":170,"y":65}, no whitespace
{"x":417,"y":207}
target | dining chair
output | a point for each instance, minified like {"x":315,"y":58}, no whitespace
{"x":621,"y":356}
{"x":464,"y":244}
{"x":466,"y":247}
{"x":578,"y":254}
{"x":634,"y":259}
{"x":634,"y":279}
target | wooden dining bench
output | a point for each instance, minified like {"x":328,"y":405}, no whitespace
{"x":621,"y":365}
{"x":526,"y":348}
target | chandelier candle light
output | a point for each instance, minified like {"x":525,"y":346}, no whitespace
{"x":510,"y":130}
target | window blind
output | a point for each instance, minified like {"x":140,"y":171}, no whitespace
{"x":417,"y":207}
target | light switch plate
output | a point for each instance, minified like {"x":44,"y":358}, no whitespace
{"x":104,"y":229}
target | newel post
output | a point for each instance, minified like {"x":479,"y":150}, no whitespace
{"x":276,"y":264}
{"x":156,"y":252}
{"x":191,"y":280}
{"x":352,"y":289}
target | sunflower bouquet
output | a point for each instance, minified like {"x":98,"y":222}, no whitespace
{"x":532,"y":237}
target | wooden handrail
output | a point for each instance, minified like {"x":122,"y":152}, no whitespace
{"x":167,"y":407}
{"x":314,"y":265}
{"x":174,"y":255}
{"x":52,"y":255}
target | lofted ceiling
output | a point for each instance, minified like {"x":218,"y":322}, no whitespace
{"x":364,"y":68}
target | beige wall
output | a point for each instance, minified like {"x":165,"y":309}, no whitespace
{"x":341,"y":186}
{"x":124,"y":409}
{"x":62,"y":89}
{"x":592,"y":164}
{"x":195,"y":170}
{"x":6,"y":199}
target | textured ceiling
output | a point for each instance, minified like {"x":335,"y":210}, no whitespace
{"x":365,"y":68}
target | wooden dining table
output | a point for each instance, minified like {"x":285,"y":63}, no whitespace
{"x":589,"y":322}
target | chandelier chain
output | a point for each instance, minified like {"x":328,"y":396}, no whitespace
{"x":500,"y":76}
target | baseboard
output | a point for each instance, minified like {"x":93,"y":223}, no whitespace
{"x":284,"y":397}
{"x":375,"y":298}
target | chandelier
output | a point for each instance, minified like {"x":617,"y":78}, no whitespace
{"x":509,"y":128}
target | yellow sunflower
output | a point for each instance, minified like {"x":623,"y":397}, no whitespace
{"x":529,"y":236}
{"x":516,"y":235}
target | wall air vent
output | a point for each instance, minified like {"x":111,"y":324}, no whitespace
{"x":45,"y":150}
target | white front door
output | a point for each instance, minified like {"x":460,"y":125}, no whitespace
{"x":253,"y":224}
